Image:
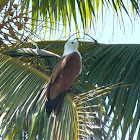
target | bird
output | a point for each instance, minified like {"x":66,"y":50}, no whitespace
{"x":63,"y":75}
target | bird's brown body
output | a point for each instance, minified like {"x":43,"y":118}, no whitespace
{"x":63,"y":76}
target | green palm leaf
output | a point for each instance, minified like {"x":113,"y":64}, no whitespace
{"x":23,"y":107}
{"x":57,"y":11}
{"x":106,"y":64}
{"x":109,"y":64}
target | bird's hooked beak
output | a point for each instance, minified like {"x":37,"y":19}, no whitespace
{"x":79,"y":43}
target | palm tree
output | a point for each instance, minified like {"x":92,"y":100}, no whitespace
{"x":102,"y":101}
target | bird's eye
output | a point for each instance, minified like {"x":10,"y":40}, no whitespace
{"x":72,"y":42}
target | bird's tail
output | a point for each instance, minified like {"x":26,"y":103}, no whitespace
{"x":50,"y":105}
{"x":55,"y":104}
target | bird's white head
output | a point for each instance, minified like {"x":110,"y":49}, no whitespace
{"x":70,"y":47}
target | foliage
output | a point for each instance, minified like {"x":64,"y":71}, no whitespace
{"x":62,"y":11}
{"x":108,"y":64}
{"x":14,"y":25}
{"x":22,"y":102}
{"x":103,"y":65}
{"x":85,"y":113}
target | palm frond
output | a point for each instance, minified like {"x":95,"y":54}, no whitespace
{"x":22,"y":103}
{"x":20,"y":91}
{"x":105,"y":64}
{"x":55,"y":12}
{"x":111,"y":64}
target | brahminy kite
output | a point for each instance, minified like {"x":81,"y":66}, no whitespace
{"x":63,"y":76}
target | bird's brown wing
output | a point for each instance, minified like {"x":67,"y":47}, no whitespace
{"x":64,"y":75}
